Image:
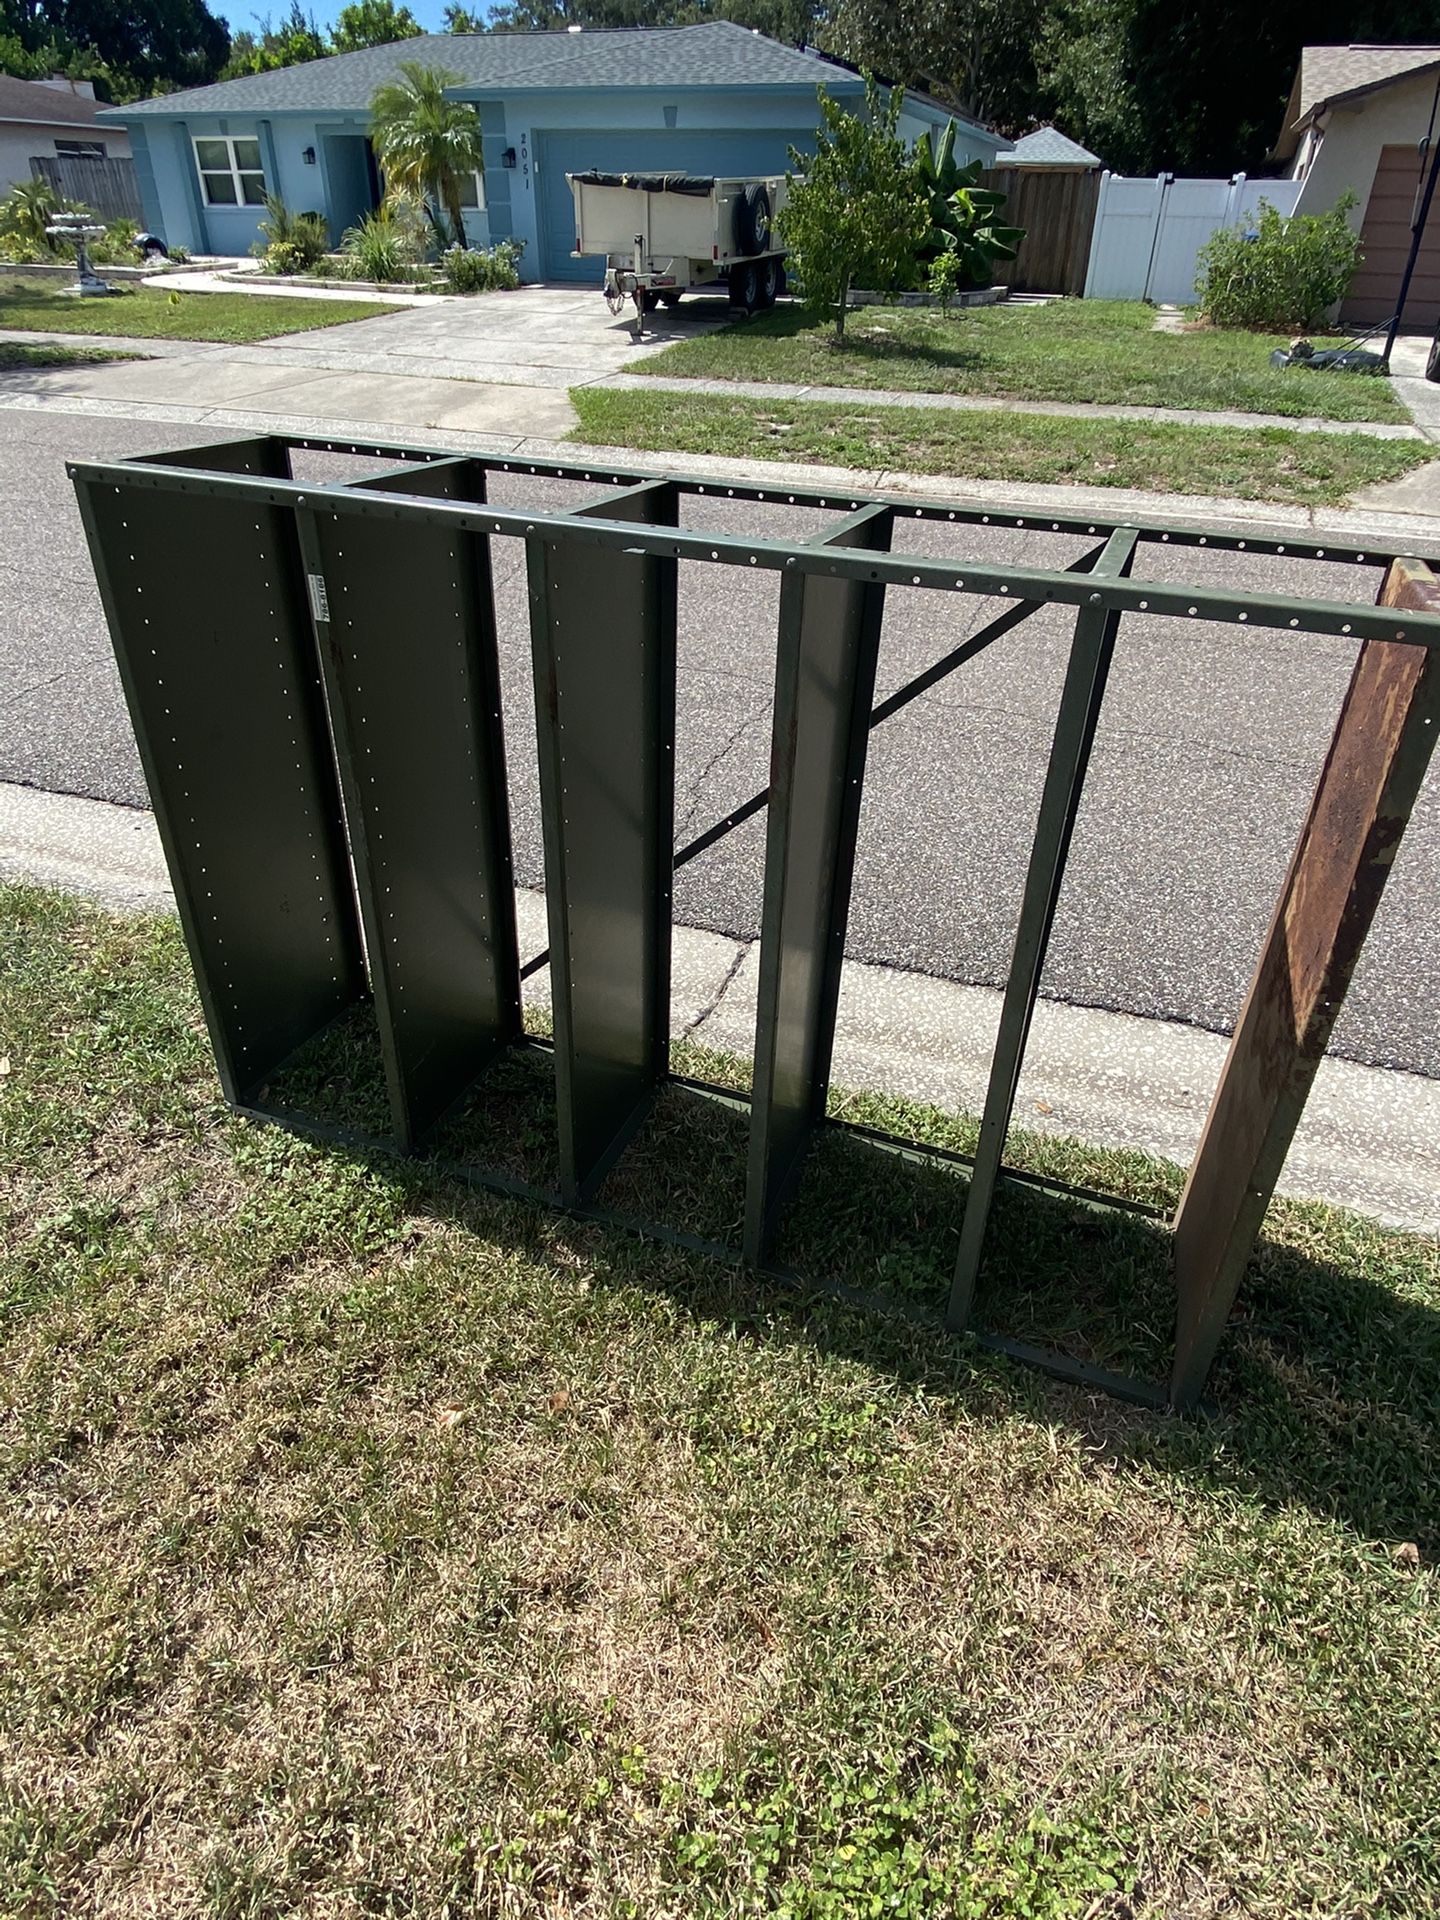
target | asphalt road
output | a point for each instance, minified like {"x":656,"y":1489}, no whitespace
{"x":1207,"y":752}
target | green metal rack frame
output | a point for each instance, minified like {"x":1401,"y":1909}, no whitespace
{"x":313,"y":676}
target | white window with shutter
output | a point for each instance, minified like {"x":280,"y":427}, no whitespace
{"x":230,"y":171}
{"x":472,"y":193}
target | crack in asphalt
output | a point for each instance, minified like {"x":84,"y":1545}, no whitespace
{"x":24,"y":693}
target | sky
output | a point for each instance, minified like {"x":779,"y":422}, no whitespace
{"x":243,"y":14}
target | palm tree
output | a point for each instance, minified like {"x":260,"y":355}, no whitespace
{"x":424,"y":142}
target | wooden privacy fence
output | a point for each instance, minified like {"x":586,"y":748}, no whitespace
{"x":312,"y":672}
{"x":1057,"y":210}
{"x":108,"y":187}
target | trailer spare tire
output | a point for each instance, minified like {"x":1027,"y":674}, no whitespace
{"x":752,"y":219}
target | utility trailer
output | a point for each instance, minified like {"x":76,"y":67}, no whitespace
{"x":663,"y":233}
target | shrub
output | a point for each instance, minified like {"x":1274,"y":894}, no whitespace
{"x":389,"y":243}
{"x":946,"y":277}
{"x":291,"y":242}
{"x":26,"y":211}
{"x":854,"y":216}
{"x":1281,"y":274}
{"x":965,"y":218}
{"x":116,"y":246}
{"x":483,"y":269}
{"x":16,"y":251}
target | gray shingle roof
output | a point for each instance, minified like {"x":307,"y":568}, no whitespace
{"x":715,"y":54}
{"x":1326,"y":74}
{"x":30,"y":101}
{"x":1330,"y":73}
{"x":1048,"y":147}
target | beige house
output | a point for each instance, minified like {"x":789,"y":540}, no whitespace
{"x":1356,"y":121}
{"x":52,"y":120}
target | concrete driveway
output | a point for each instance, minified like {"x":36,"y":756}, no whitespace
{"x":498,"y":363}
{"x":537,"y":337}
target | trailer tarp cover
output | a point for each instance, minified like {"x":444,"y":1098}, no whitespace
{"x":696,"y":184}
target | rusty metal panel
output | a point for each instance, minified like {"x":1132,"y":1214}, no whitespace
{"x":404,"y":616}
{"x":603,"y":637}
{"x":206,"y":607}
{"x":824,"y":686}
{"x":1367,"y":789}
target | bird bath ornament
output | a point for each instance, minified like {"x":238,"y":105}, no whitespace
{"x":78,"y":228}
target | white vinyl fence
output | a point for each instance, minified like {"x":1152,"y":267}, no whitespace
{"x":1148,"y":233}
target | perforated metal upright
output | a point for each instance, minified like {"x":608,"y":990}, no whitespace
{"x":603,"y":636}
{"x":405,"y":621}
{"x":206,"y":604}
{"x":829,"y":642}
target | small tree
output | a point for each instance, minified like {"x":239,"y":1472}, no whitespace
{"x":425,"y":143}
{"x":854,"y":215}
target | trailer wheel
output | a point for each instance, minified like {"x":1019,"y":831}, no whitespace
{"x":745,"y":286}
{"x":752,"y":219}
{"x":767,"y":276}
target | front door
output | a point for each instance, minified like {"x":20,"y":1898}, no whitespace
{"x":353,"y":180}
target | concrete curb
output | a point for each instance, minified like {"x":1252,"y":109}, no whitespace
{"x":1370,"y":1139}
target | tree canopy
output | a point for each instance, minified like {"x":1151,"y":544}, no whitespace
{"x":372,"y":23}
{"x":1149,"y":85}
{"x":129,"y":48}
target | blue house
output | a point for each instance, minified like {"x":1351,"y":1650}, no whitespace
{"x":715,"y":98}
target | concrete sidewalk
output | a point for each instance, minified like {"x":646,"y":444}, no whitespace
{"x":1370,"y":1138}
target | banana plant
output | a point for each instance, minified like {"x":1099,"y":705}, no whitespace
{"x":964,"y":216}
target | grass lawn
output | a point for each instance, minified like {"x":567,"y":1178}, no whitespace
{"x":14,"y":356}
{"x":1269,"y":463}
{"x":151,"y":313}
{"x":1093,"y":350}
{"x":372,"y":1546}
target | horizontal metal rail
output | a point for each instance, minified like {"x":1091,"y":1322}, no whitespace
{"x":1265,"y":610}
{"x":313,"y":676}
{"x":1153,"y":532}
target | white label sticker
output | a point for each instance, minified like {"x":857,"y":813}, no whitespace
{"x":319,"y":599}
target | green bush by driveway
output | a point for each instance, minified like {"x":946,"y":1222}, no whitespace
{"x":1100,"y":351}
